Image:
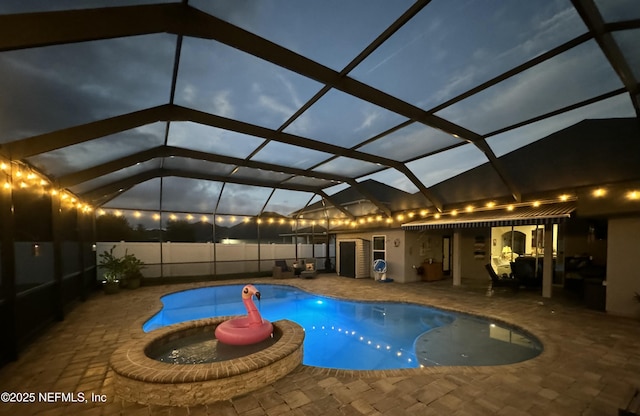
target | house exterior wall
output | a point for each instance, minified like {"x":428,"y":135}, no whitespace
{"x":623,"y":273}
{"x":577,"y":241}
{"x":472,"y":263}
{"x":420,"y":247}
{"x":397,"y":267}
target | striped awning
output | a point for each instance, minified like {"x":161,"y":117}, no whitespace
{"x":547,"y":214}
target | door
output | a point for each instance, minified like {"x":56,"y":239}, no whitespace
{"x":348,"y":258}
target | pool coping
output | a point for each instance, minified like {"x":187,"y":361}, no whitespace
{"x":142,"y":379}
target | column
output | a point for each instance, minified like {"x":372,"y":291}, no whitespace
{"x":457,"y":258}
{"x":547,"y":266}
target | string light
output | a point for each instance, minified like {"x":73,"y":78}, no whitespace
{"x":371,"y":219}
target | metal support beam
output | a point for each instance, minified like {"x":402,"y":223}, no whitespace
{"x":56,"y":231}
{"x":8,"y":337}
{"x":362,"y":190}
{"x":336,"y":205}
{"x":593,"y":19}
{"x":107,"y":192}
{"x":168,"y":151}
{"x":497,"y":166}
{"x":20,"y":149}
{"x":95,"y":24}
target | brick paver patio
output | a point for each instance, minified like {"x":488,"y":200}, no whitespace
{"x":590,"y":363}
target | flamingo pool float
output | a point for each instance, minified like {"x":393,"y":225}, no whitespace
{"x":246,"y":330}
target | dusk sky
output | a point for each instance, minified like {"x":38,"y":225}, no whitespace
{"x":448,"y":48}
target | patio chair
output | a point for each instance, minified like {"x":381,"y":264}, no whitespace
{"x":504,"y":281}
{"x":309,"y":271}
{"x":282,"y":271}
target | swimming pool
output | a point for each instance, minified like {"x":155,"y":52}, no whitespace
{"x":357,"y":335}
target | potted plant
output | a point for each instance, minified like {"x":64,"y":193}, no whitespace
{"x":113,"y":267}
{"x":131,"y":274}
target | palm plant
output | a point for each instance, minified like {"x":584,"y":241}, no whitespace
{"x":114,"y":266}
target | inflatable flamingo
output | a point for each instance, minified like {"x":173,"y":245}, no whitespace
{"x":246,"y":330}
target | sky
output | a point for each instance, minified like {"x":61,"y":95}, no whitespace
{"x":446,"y":49}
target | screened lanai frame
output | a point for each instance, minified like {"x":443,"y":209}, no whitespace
{"x":345,"y":117}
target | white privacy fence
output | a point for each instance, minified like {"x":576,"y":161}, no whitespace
{"x":203,"y":259}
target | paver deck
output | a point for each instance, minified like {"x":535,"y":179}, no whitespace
{"x":590,"y":364}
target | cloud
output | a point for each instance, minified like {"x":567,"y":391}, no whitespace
{"x":186,"y":194}
{"x":549,"y":86}
{"x":274,"y":106}
{"x":222,"y":104}
{"x":243,"y":199}
{"x":189,"y":93}
{"x":94,"y":152}
{"x":459,"y":81}
{"x":47,"y":89}
{"x":145,"y":195}
{"x":370,"y":116}
{"x":436,"y":168}
{"x":290,"y":88}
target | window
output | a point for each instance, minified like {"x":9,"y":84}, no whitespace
{"x":379,"y":251}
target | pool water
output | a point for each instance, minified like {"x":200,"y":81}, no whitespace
{"x":204,"y":348}
{"x":357,"y":335}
